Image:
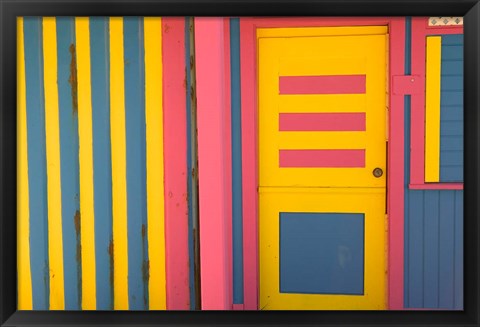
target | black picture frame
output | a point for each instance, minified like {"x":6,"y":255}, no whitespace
{"x":10,"y":9}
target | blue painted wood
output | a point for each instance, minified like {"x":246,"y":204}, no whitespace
{"x":452,"y":52}
{"x":69,"y":166}
{"x":237,"y":224}
{"x":451,"y":67}
{"x":322,"y":253}
{"x":37,"y":171}
{"x":430,"y":249}
{"x":136,"y":169}
{"x":415,"y":254}
{"x":446,"y":249}
{"x":452,"y":39}
{"x":102,"y":171}
{"x":451,"y":143}
{"x":451,"y":98}
{"x":458,"y":253}
{"x":451,"y":109}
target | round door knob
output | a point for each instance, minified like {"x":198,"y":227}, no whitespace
{"x":378,"y":172}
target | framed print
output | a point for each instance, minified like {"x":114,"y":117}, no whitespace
{"x":218,"y":162}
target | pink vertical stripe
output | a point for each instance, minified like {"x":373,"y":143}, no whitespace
{"x":322,"y":121}
{"x":328,"y":84}
{"x":322,"y":158}
{"x":395,"y":169}
{"x":248,"y":86}
{"x":175,"y":150}
{"x":417,"y":128}
{"x":215,"y":259}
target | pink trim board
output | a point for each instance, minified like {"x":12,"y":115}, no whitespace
{"x":328,"y":84}
{"x":215,"y":219}
{"x":395,"y":196}
{"x":175,"y":145}
{"x":322,"y":158}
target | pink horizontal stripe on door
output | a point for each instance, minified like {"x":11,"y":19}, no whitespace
{"x":322,"y":158}
{"x":344,"y":121}
{"x":325,"y":84}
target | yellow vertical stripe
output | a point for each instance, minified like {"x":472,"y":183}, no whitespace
{"x":23,"y":201}
{"x":55,"y":242}
{"x":432,"y":109}
{"x":119,"y":184}
{"x":87,"y":228}
{"x":154,"y":133}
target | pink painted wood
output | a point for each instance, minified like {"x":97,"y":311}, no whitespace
{"x":341,"y":121}
{"x":420,"y":30}
{"x":337,"y":84}
{"x":436,"y":186}
{"x":395,"y":196}
{"x":322,"y":158}
{"x":215,"y":220}
{"x":175,"y":150}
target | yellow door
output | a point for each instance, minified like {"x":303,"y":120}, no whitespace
{"x":322,"y":167}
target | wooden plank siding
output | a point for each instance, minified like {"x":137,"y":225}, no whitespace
{"x":433,"y":264}
{"x":92,"y":184}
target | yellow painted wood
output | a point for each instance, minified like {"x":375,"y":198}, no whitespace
{"x":289,"y":52}
{"x":23,"y":200}
{"x":119,"y":184}
{"x":321,"y":31}
{"x":87,"y":215}
{"x":432,"y":108}
{"x":154,"y":158}
{"x":371,"y":202}
{"x":285,"y":55}
{"x":52,"y":128}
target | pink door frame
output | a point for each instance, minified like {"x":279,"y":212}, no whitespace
{"x":395,"y":157}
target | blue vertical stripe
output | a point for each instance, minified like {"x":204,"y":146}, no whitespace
{"x":102,"y":183}
{"x":191,"y":255}
{"x":136,"y":170}
{"x":407,"y":105}
{"x":37,"y":172}
{"x":69,"y":167}
{"x":237,"y":214}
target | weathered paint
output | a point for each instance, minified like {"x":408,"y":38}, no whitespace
{"x":102,"y":169}
{"x":69,"y":165}
{"x":37,"y":172}
{"x":135,"y":155}
{"x":119,"y":187}
{"x":24,"y":299}
{"x":87,"y":218}
{"x":215,"y":260}
{"x":52,"y":142}
{"x":176,"y":208}
{"x":154,"y":157}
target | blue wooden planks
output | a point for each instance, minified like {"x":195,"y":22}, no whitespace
{"x":69,"y":166}
{"x":136,"y":163}
{"x":102,"y":164}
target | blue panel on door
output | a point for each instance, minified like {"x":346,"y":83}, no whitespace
{"x":322,"y":253}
